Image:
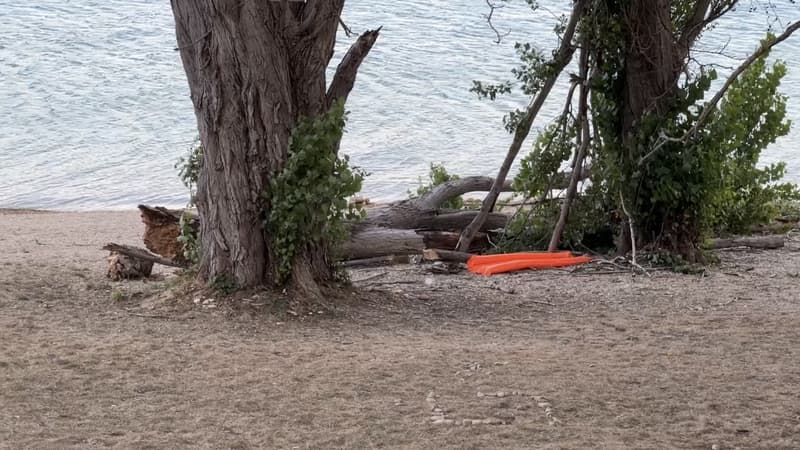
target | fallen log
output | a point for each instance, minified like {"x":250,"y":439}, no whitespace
{"x":373,"y":242}
{"x":410,"y":215}
{"x":400,"y":228}
{"x":769,"y":242}
{"x":124,"y":267}
{"x":377,"y":261}
{"x":453,"y":188}
{"x":436,"y":254}
{"x":141,"y":254}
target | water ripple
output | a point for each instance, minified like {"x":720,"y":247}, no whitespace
{"x":95,"y":107}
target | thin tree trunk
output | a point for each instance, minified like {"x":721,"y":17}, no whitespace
{"x":583,"y":146}
{"x":562,"y":58}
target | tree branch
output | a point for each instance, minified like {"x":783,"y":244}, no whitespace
{"x":562,"y":58}
{"x":694,"y":25}
{"x":488,"y":17}
{"x":347,"y":31}
{"x":345,"y":76}
{"x":700,"y":19}
{"x":762,"y":50}
{"x":711,"y":105}
{"x":583,"y":140}
{"x":454,"y":188}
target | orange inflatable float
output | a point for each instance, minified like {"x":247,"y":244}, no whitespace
{"x":509,"y":262}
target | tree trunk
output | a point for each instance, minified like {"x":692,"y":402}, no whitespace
{"x":562,"y":57}
{"x":652,"y":67}
{"x":254,"y":68}
{"x":651,"y":70}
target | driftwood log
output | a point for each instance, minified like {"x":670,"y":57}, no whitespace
{"x":400,"y":228}
{"x":768,"y":242}
{"x":435,"y":254}
{"x":141,"y":254}
{"x":376,"y":241}
{"x":122,"y":266}
{"x":132,"y":263}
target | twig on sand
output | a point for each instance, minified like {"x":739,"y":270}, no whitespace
{"x":371,"y":277}
{"x":541,"y":303}
{"x":389,"y":283}
{"x":148,"y":316}
{"x":634,"y":267}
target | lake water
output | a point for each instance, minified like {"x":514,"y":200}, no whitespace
{"x":95,"y":111}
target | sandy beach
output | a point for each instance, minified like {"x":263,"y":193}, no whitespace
{"x":554,"y":359}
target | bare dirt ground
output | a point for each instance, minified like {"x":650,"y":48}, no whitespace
{"x":551,"y":359}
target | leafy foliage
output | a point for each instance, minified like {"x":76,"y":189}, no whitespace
{"x":189,"y":168}
{"x":539,"y":168}
{"x":308,"y":198}
{"x":677,"y":189}
{"x":189,"y":172}
{"x":680,"y":191}
{"x":751,"y":117}
{"x":189,"y":239}
{"x":436,"y":176}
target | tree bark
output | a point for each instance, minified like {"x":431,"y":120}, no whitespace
{"x":254,"y":68}
{"x":651,"y":70}
{"x":652,"y":65}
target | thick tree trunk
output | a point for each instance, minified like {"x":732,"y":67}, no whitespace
{"x":651,"y":70}
{"x":254,"y":68}
{"x":652,"y":67}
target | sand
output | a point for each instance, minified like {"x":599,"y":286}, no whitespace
{"x":550,"y":359}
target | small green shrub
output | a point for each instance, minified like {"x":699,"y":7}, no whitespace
{"x":189,"y":168}
{"x":189,"y":172}
{"x":751,"y":116}
{"x":789,"y":209}
{"x":308,"y":198}
{"x":117,"y":295}
{"x":189,"y":239}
